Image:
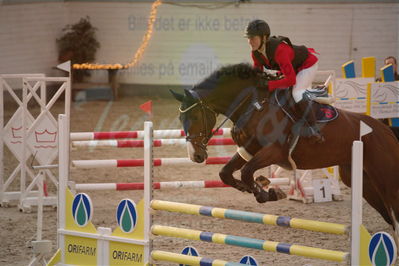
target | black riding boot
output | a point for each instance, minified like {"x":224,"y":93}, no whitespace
{"x":308,"y":116}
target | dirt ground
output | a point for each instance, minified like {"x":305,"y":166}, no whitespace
{"x":18,"y":229}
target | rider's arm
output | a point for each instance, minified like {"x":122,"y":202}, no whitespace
{"x":284,"y":56}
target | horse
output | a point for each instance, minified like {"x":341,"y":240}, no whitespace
{"x":265,"y":135}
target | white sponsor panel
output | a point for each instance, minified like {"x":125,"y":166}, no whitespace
{"x":384,"y":100}
{"x":351,"y":94}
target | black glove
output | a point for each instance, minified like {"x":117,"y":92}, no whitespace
{"x":263,"y":82}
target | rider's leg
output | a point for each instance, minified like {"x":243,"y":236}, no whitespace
{"x":306,"y":109}
{"x":304,"y":81}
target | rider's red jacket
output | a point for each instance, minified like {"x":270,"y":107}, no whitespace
{"x":284,"y":55}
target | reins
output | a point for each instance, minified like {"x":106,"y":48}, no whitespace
{"x":229,"y":116}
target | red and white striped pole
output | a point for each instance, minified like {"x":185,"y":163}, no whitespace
{"x":140,"y":162}
{"x":140,"y":143}
{"x":165,"y":185}
{"x":158,"y":134}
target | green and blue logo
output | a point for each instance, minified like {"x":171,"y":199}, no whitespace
{"x":126,"y":215}
{"x":82,"y":209}
{"x":189,"y":251}
{"x":248,"y":260}
{"x":382,"y":249}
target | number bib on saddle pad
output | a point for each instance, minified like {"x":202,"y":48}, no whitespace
{"x":325,"y":113}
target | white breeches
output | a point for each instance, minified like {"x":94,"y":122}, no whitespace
{"x":304,"y":80}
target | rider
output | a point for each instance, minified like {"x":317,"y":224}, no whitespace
{"x":297,"y":64}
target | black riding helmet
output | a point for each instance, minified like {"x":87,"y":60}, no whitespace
{"x":257,"y":27}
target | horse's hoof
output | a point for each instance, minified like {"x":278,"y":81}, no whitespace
{"x":273,"y":196}
{"x":262,"y":197}
{"x":280,"y":194}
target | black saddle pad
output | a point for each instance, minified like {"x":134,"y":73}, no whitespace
{"x":324,"y":112}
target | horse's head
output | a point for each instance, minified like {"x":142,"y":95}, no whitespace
{"x":226,"y":91}
{"x":198,"y":120}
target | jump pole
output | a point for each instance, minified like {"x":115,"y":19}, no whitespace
{"x":139,"y":134}
{"x":140,"y":143}
{"x":141,"y":162}
{"x":252,"y":217}
{"x":163,"y":185}
{"x":290,"y":249}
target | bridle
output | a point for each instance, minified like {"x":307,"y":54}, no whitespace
{"x":204,"y":107}
{"x":205,"y":137}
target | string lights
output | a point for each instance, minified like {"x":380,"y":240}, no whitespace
{"x":140,"y":51}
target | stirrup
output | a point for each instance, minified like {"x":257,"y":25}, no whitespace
{"x":316,"y":92}
{"x":319,"y":94}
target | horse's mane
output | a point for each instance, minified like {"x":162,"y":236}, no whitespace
{"x":235,"y":71}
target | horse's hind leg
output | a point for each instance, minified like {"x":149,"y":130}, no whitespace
{"x":370,"y":194}
{"x":373,"y":197}
{"x":388,"y":207}
{"x":395,"y":224}
{"x":226,"y":174}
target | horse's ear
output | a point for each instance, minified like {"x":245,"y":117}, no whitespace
{"x":188,"y":93}
{"x":177,"y":96}
{"x":192,"y":95}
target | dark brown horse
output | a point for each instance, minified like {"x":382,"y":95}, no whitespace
{"x":266,"y":133}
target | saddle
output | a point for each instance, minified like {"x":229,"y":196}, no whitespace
{"x":324,"y":112}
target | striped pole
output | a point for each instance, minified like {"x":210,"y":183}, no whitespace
{"x":290,"y":249}
{"x":168,"y":133}
{"x":140,"y":162}
{"x":190,"y":260}
{"x":140,"y":143}
{"x":165,"y":185}
{"x":284,"y":221}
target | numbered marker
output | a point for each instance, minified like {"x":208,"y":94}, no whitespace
{"x":322,"y":190}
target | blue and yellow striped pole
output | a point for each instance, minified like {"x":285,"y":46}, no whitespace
{"x":285,"y":221}
{"x":190,"y":260}
{"x":290,"y":249}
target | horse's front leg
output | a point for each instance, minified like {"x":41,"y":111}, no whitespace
{"x":226,"y":174}
{"x":261,"y":159}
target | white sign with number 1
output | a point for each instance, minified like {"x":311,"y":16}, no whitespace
{"x":322,"y":190}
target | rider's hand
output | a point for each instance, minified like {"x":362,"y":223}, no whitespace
{"x":279,"y":75}
{"x":262,"y":82}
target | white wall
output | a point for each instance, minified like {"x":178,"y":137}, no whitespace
{"x":182,"y":50}
{"x":27,"y":36}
